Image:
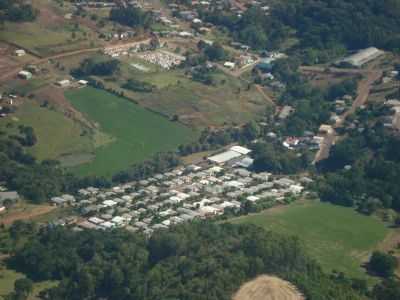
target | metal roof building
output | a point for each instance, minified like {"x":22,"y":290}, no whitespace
{"x":361,"y":57}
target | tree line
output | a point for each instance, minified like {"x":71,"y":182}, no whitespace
{"x":17,"y":11}
{"x":363,"y":169}
{"x":193,"y":261}
{"x":323,"y":29}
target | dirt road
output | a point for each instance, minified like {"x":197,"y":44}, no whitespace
{"x":25,"y":214}
{"x":363,"y":91}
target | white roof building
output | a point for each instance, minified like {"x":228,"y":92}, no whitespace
{"x":362,"y":57}
{"x":109,"y":203}
{"x":224,"y":157}
{"x":240,"y":149}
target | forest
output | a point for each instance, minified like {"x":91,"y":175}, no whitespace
{"x":363,"y":170}
{"x":323,"y":28}
{"x":17,"y":11}
{"x":195,"y":261}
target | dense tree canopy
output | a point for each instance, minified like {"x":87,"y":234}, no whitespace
{"x":189,"y":262}
{"x":91,"y":66}
{"x":131,"y":16}
{"x":363,"y":170}
{"x":331,"y":25}
{"x":17,"y":11}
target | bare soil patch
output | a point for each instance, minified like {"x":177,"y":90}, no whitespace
{"x":268,"y":288}
{"x":25,"y":214}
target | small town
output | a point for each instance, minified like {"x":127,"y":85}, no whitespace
{"x":220,"y":184}
{"x":199,"y":150}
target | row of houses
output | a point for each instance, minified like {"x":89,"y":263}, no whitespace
{"x":181,"y":195}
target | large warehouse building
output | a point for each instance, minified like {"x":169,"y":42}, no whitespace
{"x":360,"y":58}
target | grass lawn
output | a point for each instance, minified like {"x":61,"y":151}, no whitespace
{"x":138,"y":133}
{"x":56,"y":134}
{"x":8,"y":277}
{"x":338,"y":237}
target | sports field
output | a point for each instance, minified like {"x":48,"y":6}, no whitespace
{"x":137,"y":133}
{"x":338,"y":237}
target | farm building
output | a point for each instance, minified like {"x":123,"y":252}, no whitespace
{"x":360,"y":58}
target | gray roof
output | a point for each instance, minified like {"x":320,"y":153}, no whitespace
{"x":9,"y":195}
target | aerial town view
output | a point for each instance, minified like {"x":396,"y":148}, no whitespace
{"x":200,"y":150}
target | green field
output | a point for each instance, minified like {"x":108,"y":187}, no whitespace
{"x":56,"y":134}
{"x":8,"y":277}
{"x":338,"y":237}
{"x":138,"y":133}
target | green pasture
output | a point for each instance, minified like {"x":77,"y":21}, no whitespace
{"x":338,"y":237}
{"x":137,"y":133}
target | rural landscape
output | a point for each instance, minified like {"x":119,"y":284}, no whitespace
{"x":199,"y":150}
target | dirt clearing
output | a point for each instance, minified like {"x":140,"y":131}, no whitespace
{"x":25,"y":213}
{"x":268,"y":288}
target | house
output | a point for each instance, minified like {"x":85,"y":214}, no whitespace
{"x":83,"y":82}
{"x":58,"y":201}
{"x":25,"y":75}
{"x":325,"y":129}
{"x":285,"y":112}
{"x":20,"y":52}
{"x":9,"y":196}
{"x":63,"y":83}
{"x":229,"y":65}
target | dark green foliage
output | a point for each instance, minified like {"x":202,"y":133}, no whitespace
{"x":98,"y":68}
{"x":387,"y":290}
{"x":17,"y":11}
{"x":347,"y":87}
{"x":277,"y":159}
{"x":372,"y":180}
{"x":382,"y":264}
{"x":323,"y":27}
{"x":215,"y":52}
{"x":138,"y":86}
{"x":131,"y":16}
{"x":189,"y":262}
{"x":158,"y":164}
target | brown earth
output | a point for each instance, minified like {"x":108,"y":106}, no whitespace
{"x":268,"y":288}
{"x":25,"y":214}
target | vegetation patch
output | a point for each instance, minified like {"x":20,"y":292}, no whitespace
{"x":138,"y":133}
{"x":339,"y":238}
{"x":56,"y":134}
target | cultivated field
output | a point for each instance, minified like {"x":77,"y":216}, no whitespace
{"x":137,"y":133}
{"x":338,"y":237}
{"x":268,"y":288}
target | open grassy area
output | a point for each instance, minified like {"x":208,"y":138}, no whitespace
{"x":56,"y":134}
{"x":50,"y":33}
{"x":197,"y":104}
{"x":338,"y":237}
{"x":138,"y":133}
{"x":8,"y":277}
